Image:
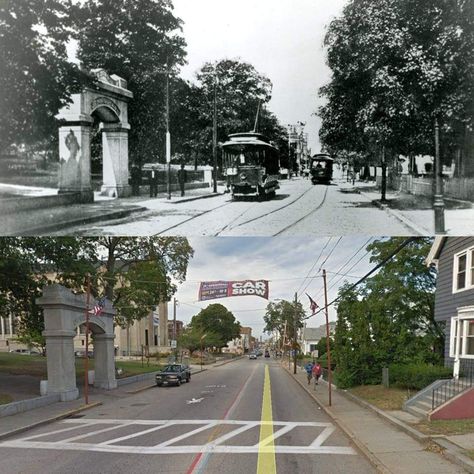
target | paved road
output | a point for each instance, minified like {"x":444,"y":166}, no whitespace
{"x":244,"y":417}
{"x":299,"y":208}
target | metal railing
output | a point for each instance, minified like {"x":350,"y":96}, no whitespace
{"x":450,"y":389}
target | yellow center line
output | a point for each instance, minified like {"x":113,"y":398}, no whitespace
{"x":266,"y":447}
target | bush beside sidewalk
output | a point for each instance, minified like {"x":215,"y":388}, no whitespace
{"x":390,"y":444}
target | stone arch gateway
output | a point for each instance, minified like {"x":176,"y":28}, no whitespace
{"x":107,"y":100}
{"x":63,"y":313}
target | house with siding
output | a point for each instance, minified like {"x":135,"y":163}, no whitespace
{"x":454,"y":299}
{"x":452,"y":398}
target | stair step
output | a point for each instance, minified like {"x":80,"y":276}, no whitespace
{"x":417,"y":411}
{"x":424,"y":405}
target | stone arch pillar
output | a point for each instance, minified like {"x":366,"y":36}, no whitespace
{"x":106,"y":99}
{"x":63,"y":313}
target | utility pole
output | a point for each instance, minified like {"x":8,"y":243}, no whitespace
{"x":168,"y":135}
{"x":438,"y":203}
{"x":86,"y":360}
{"x":295,"y":332}
{"x":328,"y":345}
{"x":214,"y":132}
{"x":174,"y":328}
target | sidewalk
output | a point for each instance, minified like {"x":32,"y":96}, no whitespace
{"x":16,"y":424}
{"x":416,"y":211}
{"x":53,"y":219}
{"x":387,"y":447}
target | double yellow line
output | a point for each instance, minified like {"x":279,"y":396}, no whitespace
{"x":266,"y":447}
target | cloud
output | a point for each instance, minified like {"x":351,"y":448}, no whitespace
{"x":285,"y":261}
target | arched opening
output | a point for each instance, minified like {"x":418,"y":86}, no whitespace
{"x":101,"y":114}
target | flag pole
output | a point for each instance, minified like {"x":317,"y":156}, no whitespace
{"x":86,"y":361}
{"x":328,"y":346}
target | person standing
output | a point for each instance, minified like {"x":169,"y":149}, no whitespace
{"x":153,"y":182}
{"x":135,"y":177}
{"x":317,"y":371}
{"x":182,"y":178}
{"x":309,"y":368}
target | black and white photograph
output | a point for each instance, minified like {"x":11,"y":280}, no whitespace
{"x":257,"y":118}
{"x":236,"y":237}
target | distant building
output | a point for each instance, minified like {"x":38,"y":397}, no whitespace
{"x":240,"y":345}
{"x":311,"y":336}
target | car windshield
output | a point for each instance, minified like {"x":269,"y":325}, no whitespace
{"x":172,"y":368}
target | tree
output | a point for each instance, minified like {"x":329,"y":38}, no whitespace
{"x":280,"y":316}
{"x":194,"y":338}
{"x":113,"y":35}
{"x":397,"y":66}
{"x":238,"y":89}
{"x":389,"y":318}
{"x":36,"y":78}
{"x":216,"y":320}
{"x":135,"y":275}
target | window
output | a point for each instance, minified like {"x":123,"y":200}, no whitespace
{"x":463,"y":278}
{"x":462,"y":334}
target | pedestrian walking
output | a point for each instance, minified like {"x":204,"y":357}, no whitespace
{"x":135,"y":178}
{"x":153,"y":182}
{"x":309,"y":368}
{"x":182,"y":178}
{"x":316,"y":372}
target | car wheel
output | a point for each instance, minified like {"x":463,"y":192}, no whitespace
{"x":189,"y":378}
{"x":178,"y":383}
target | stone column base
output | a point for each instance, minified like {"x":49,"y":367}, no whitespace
{"x":116,"y":191}
{"x":105,"y":384}
{"x":67,"y":395}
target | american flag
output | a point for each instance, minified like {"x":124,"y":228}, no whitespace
{"x":313,"y":306}
{"x":98,"y":307}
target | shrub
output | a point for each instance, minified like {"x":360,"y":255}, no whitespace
{"x":416,"y":376}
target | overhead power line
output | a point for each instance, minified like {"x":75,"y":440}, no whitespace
{"x":381,"y":264}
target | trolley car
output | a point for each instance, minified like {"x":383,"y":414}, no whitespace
{"x":251,"y":165}
{"x":321,"y":168}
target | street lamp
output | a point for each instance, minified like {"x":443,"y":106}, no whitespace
{"x":202,"y":338}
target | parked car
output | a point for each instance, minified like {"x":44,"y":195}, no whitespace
{"x":25,"y":351}
{"x":173,"y":374}
{"x":253,"y":355}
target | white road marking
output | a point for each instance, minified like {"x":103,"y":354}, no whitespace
{"x":214,"y":446}
{"x":195,"y":400}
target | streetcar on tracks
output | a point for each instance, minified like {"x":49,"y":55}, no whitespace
{"x":251,"y":165}
{"x":320,"y":168}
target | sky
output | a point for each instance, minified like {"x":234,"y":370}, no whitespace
{"x":285,"y":262}
{"x":282,"y":39}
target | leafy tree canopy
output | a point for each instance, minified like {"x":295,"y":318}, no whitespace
{"x":36,"y":78}
{"x":389,"y":318}
{"x":398,"y":64}
{"x":218,"y":321}
{"x":281,"y":316}
{"x":134,"y":273}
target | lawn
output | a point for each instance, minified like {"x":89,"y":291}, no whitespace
{"x":5,"y":398}
{"x":445,"y":427}
{"x":17,"y":364}
{"x":380,"y":396}
{"x":470,"y":453}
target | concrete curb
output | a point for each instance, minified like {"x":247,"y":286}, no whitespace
{"x":61,"y":416}
{"x":102,"y":217}
{"x":451,"y":451}
{"x":360,"y":446}
{"x":196,"y":198}
{"x":398,"y":215}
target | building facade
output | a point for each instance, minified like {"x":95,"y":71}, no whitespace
{"x":454,"y":299}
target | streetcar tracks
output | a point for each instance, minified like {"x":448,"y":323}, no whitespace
{"x":228,"y":226}
{"x":192,"y":218}
{"x":305,"y":216}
